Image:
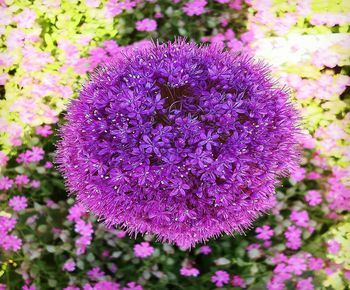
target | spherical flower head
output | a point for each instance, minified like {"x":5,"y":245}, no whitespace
{"x":179,"y":140}
{"x":143,"y":250}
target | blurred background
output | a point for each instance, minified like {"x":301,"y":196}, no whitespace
{"x":47,"y":50}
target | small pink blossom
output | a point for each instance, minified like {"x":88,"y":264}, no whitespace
{"x":313,"y":197}
{"x":132,"y":286}
{"x":21,"y":179}
{"x":44,"y":131}
{"x":18,"y":203}
{"x":195,"y":7}
{"x":293,"y":236}
{"x":237,"y":281}
{"x":26,"y":18}
{"x":35,"y":183}
{"x":76,"y":212}
{"x":296,"y":265}
{"x":146,"y":25}
{"x":300,"y":218}
{"x":143,"y":250}
{"x":189,"y":271}
{"x":313,"y":175}
{"x":305,"y":284}
{"x":48,"y":165}
{"x":264,"y":233}
{"x":315,"y":264}
{"x":205,"y":250}
{"x":298,"y":174}
{"x":5,"y":183}
{"x":3,"y":159}
{"x":333,"y":247}
{"x":69,"y":265}
{"x":220,"y":278}
{"x":95,"y":273}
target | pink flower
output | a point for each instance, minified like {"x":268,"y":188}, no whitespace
{"x":278,"y":258}
{"x":143,"y":250}
{"x":205,"y":250}
{"x":298,"y":174}
{"x":300,"y":218}
{"x":313,"y":197}
{"x":296,"y":265}
{"x":237,"y":281}
{"x":18,"y":203}
{"x":220,"y":278}
{"x":95,"y":273}
{"x":305,"y":284}
{"x":105,"y":253}
{"x":333,"y":247}
{"x":44,"y":131}
{"x":11,"y":242}
{"x":293,"y":236}
{"x":83,"y":228}
{"x":3,"y":159}
{"x":189,"y":271}
{"x":195,"y":7}
{"x":104,"y":285}
{"x":315,"y":264}
{"x":5,"y":183}
{"x":69,"y":265}
{"x":48,"y":165}
{"x":132,"y":286}
{"x":35,"y":183}
{"x":76,"y":212}
{"x":313,"y":175}
{"x":146,"y":25}
{"x":26,"y":18}
{"x":324,"y":57}
{"x":21,"y":179}
{"x":264,"y":233}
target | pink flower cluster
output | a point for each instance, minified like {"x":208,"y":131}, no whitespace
{"x":293,"y":266}
{"x":34,"y":154}
{"x":8,"y":241}
{"x":83,"y":228}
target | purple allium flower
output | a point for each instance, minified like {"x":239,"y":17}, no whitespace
{"x":179,"y":140}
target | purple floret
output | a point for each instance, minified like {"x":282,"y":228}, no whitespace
{"x":183,"y":141}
